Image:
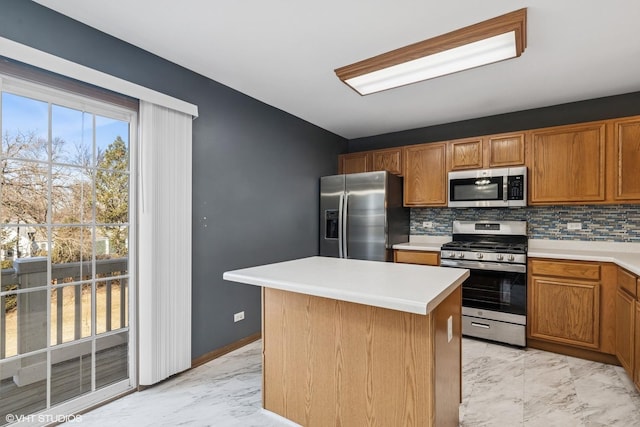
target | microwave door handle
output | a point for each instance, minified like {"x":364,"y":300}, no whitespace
{"x":340,"y":235}
{"x":505,"y":188}
{"x":345,"y":221}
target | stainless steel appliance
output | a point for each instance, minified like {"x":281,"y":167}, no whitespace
{"x":494,"y":297}
{"x":500,"y":187}
{"x":361,"y":215}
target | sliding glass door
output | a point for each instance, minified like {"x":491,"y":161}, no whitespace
{"x":66,"y":339}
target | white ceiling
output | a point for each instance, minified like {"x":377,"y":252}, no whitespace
{"x":283,"y":52}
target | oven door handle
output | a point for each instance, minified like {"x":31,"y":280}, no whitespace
{"x":478,"y":265}
{"x":480,"y":325}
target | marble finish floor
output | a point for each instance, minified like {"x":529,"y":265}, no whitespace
{"x":502,"y":387}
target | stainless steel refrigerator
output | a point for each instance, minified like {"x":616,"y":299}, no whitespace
{"x":361,"y":216}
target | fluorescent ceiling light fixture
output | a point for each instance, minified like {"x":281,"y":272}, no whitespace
{"x":484,"y":43}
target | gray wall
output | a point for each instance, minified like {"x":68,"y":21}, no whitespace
{"x":255,"y":168}
{"x":556,"y":115}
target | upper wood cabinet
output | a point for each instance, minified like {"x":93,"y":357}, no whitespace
{"x":354,"y":162}
{"x":425,"y":175}
{"x":388,"y":160}
{"x":493,"y":151}
{"x":627,"y":159}
{"x":567,"y":164}
{"x":465,"y":154}
{"x":587,"y":163}
{"x":505,"y":150}
{"x":368,"y":161}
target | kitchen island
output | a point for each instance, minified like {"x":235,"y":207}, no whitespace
{"x":351,"y":342}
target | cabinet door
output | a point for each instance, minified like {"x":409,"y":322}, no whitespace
{"x":636,"y":369}
{"x":417,"y":257}
{"x":425,"y":175}
{"x":505,"y":150}
{"x":388,"y":160}
{"x":569,"y":269}
{"x":565,"y":311}
{"x":466,"y":154}
{"x":627,"y":159}
{"x":354,"y":162}
{"x":625,"y":307}
{"x":568,"y":164}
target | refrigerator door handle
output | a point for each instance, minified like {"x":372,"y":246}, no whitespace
{"x":345,"y":236}
{"x":340,"y":235}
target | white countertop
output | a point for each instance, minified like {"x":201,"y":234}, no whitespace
{"x":423,"y":243}
{"x":404,"y":287}
{"x":626,"y":255}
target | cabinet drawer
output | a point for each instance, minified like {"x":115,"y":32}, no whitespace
{"x":571,"y":269}
{"x":627,"y":281}
{"x":417,"y":257}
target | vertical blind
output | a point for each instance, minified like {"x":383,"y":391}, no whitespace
{"x":164,"y":228}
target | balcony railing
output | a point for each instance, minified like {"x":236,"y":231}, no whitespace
{"x":23,"y":328}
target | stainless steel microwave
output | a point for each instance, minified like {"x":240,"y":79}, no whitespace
{"x":484,"y":188}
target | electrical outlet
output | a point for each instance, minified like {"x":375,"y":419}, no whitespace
{"x":574,"y":226}
{"x":427,"y":224}
{"x":238,"y":316}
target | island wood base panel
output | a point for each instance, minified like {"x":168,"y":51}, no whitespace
{"x":335,"y":363}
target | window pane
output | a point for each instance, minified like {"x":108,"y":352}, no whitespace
{"x":112,"y":143}
{"x":71,"y":195}
{"x":111,"y":305}
{"x":25,"y":127}
{"x":71,"y":245}
{"x":27,"y":392}
{"x":112,"y":242}
{"x":112,"y":359}
{"x":70,"y":313}
{"x":30,"y":318}
{"x":24,"y":192}
{"x":112,"y":196}
{"x":70,"y":372}
{"x":28,"y":244}
{"x":72,"y":136}
{"x":8,"y":322}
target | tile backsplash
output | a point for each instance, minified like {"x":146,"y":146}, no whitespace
{"x":614,"y":223}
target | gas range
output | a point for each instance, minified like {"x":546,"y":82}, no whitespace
{"x":494,"y":297}
{"x":486,"y":242}
{"x":515,"y":253}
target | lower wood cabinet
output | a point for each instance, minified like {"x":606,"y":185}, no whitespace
{"x":636,"y":362}
{"x":566,"y":311}
{"x":625,"y":348}
{"x":628,"y":324}
{"x":571,"y":304}
{"x":416,"y":257}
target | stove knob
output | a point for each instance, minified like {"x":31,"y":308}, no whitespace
{"x":511,"y":257}
{"x":451,"y":255}
{"x":499,"y":257}
{"x":460,"y":255}
{"x":479,"y":255}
